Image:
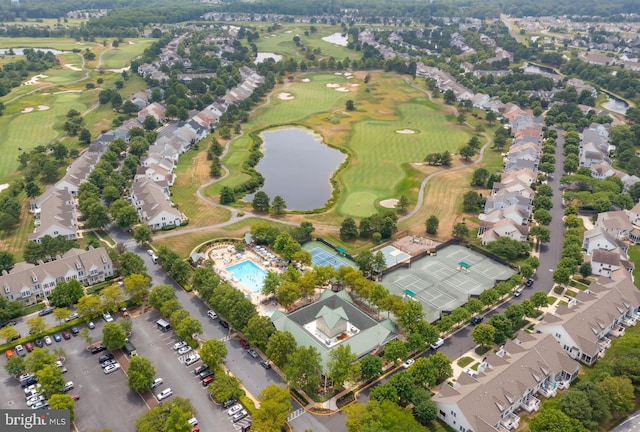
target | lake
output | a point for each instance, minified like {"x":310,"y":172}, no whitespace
{"x":262,"y":56}
{"x":616,"y":105}
{"x":337,"y":39}
{"x":297,"y":165}
{"x":532,"y":68}
{"x":20,"y":51}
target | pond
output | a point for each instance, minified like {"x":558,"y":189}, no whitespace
{"x":20,"y":51}
{"x":532,"y":68}
{"x":615,"y":105}
{"x":337,"y":39}
{"x":262,"y":56}
{"x":297,"y":165}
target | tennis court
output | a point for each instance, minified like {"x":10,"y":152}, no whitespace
{"x":393,"y":255}
{"x":323,"y":255}
{"x":446,"y":281}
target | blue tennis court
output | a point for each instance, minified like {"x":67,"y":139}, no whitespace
{"x":323,"y":258}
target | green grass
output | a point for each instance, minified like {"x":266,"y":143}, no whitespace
{"x":281,"y":41}
{"x":63,"y":44}
{"x":634,"y":256}
{"x":121,"y":56}
{"x":465,"y":361}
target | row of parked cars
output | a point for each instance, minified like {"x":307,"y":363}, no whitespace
{"x":33,"y":393}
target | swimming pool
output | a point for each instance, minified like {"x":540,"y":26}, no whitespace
{"x":249,"y":275}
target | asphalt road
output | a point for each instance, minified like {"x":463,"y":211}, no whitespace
{"x":632,"y":424}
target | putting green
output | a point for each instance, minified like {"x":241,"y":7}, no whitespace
{"x":360,"y":204}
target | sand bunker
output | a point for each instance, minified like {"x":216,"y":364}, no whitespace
{"x":350,"y":77}
{"x":35,"y":79}
{"x":333,"y":85}
{"x":4,"y":186}
{"x":119,"y":70}
{"x":342,"y":89}
{"x":338,"y":73}
{"x":26,"y":110}
{"x":289,"y":31}
{"x":42,"y":107}
{"x":389,"y":203}
{"x":405,"y":131}
{"x":286,"y":96}
{"x":355,"y":85}
{"x":348,"y":74}
{"x":305,"y":80}
{"x":73,"y":68}
{"x":132,"y":43}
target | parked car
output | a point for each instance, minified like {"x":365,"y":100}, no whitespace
{"x":75,"y":331}
{"x":22,"y":378}
{"x":164,"y":394}
{"x":57,"y":337}
{"x":408,"y":363}
{"x":71,"y":317}
{"x":518,"y":292}
{"x":20,"y":350}
{"x":107,"y":317}
{"x":66,"y":334}
{"x":179,"y":345}
{"x":156,"y":383}
{"x":477,"y":319}
{"x":45,"y":311}
{"x":193,"y":421}
{"x":192,"y":359}
{"x":208,"y":380}
{"x":39,"y":343}
{"x":184,"y":350}
{"x":98,"y":348}
{"x":34,"y":399}
{"x":31,"y":388}
{"x":200,"y":368}
{"x":91,"y":325}
{"x":40,"y":404}
{"x":30,"y":382}
{"x":223,"y":323}
{"x":239,"y":416}
{"x":111,"y":368}
{"x":205,"y":373}
{"x":437,"y":344}
{"x":234,"y":409}
{"x":211,"y":314}
{"x":68,"y":386}
{"x":75,"y":397}
{"x":104,"y":357}
{"x":28,"y":346}
{"x":106,"y":363}
{"x":8,"y":323}
{"x":150,"y":252}
{"x":252,"y":353}
{"x":47,"y":340}
{"x":265,"y":364}
{"x":529,"y":283}
{"x":228,"y":404}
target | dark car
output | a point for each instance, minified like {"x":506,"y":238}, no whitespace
{"x":228,"y":404}
{"x":529,"y":283}
{"x":224,"y":324}
{"x":46,"y":311}
{"x":205,"y":373}
{"x":29,"y":381}
{"x":203,"y":367}
{"x":39,"y":343}
{"x":75,"y":331}
{"x":66,"y":334}
{"x":104,"y":357}
{"x":16,"y":337}
{"x":476,"y":320}
{"x":98,"y":348}
{"x":57,"y":337}
{"x":8,"y":323}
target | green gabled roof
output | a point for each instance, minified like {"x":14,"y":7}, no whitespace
{"x":332,"y":316}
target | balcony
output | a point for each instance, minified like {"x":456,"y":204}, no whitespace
{"x":530,"y":404}
{"x":617,"y":331}
{"x":604,"y":343}
{"x":548,"y":391}
{"x":510,"y":422}
{"x":628,"y":321}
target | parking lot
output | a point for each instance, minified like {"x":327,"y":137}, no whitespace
{"x":158,"y":346}
{"x":106,"y":402}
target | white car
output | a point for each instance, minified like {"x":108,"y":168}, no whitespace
{"x":91,"y":325}
{"x":179,"y":345}
{"x":191,"y":360}
{"x":518,"y":293}
{"x":107,"y":317}
{"x":150,"y":252}
{"x":32,"y":388}
{"x":40,"y":404}
{"x":211,"y":314}
{"x":408,"y":363}
{"x":234,"y":409}
{"x":72,"y":317}
{"x":193,"y":421}
{"x":164,"y":394}
{"x":111,"y":368}
{"x":184,"y":350}
{"x":437,"y":344}
{"x":34,"y":399}
{"x":239,"y":416}
{"x":47,"y":340}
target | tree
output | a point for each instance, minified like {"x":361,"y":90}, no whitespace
{"x":32,"y":190}
{"x":542,"y":216}
{"x":467,"y":152}
{"x":131,"y":263}
{"x":483,"y":335}
{"x":141,"y":373}
{"x":113,"y":336}
{"x":225,"y":387}
{"x":275,"y":405}
{"x":37,"y":325}
{"x":50,"y":377}
{"x":150,"y":123}
{"x":96,"y":215}
{"x":370,"y":367}
{"x":278,"y":205}
{"x":348,"y":229}
{"x":526,"y":271}
{"x":539,"y":299}
{"x":213,"y":352}
{"x":259,"y":329}
{"x":170,"y":307}
{"x":286,"y":246}
{"x":460,"y":231}
{"x":409,"y":314}
{"x":142,"y":234}
{"x":552,"y":420}
{"x":260,"y":202}
{"x":187,"y":328}
{"x":280,"y":346}
{"x":227,"y":196}
{"x":561,"y":275}
{"x":137,"y":287}
{"x":620,"y":393}
{"x":303,"y":368}
{"x":395,"y":351}
{"x":66,"y":293}
{"x":171,"y":415}
{"x":349,"y":105}
{"x":471,"y":202}
{"x":432,"y":224}
{"x":161,"y":294}
{"x":63,"y":402}
{"x":542,"y":233}
{"x":89,"y":306}
{"x":585,"y":270}
{"x":15,"y":365}
{"x":342,"y":365}
{"x":480,"y":177}
{"x":503,"y":326}
{"x":61,"y":314}
{"x":403,"y":204}
{"x":508,"y":248}
{"x":112,"y":298}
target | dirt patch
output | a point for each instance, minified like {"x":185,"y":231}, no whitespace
{"x":286,"y":96}
{"x":43,"y":107}
{"x":389,"y":203}
{"x":405,"y":131}
{"x":27,"y":110}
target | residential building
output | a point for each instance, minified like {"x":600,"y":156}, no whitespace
{"x":151,"y":200}
{"x":55,"y":213}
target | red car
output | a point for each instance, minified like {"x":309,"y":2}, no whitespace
{"x":66,"y":335}
{"x":75,"y":397}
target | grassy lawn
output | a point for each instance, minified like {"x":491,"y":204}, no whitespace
{"x":121,"y":56}
{"x":63,"y":44}
{"x":281,"y":41}
{"x":634,"y":256}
